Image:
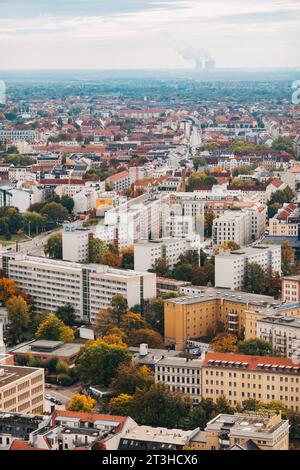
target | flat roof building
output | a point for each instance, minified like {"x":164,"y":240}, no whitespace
{"x":21,"y":389}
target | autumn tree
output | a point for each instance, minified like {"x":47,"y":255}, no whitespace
{"x":287,"y":258}
{"x":121,"y":405}
{"x":53,"y":329}
{"x":148,"y":336}
{"x":82,"y":403}
{"x":131,"y":322}
{"x":8,"y":288}
{"x":130,"y":377}
{"x":127,"y":258}
{"x":110,"y":259}
{"x":18,"y":318}
{"x":224,"y":343}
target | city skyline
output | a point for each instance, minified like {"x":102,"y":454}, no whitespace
{"x":143,"y":34}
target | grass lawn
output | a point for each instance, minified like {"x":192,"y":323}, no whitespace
{"x":12,"y":240}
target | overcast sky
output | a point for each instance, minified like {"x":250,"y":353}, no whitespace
{"x":117,"y":34}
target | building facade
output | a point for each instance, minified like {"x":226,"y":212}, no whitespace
{"x":21,"y":389}
{"x":239,"y":377}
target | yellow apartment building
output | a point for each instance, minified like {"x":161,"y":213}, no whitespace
{"x":239,"y":377}
{"x":193,"y":316}
{"x":247,"y":431}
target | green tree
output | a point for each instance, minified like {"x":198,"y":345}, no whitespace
{"x":119,"y":307}
{"x":66,"y":313}
{"x":98,"y":363}
{"x":18,"y":318}
{"x":53,"y":246}
{"x":96,"y":248}
{"x":161,"y":267}
{"x":254,"y":347}
{"x":35,"y":220}
{"x":183,"y":272}
{"x":255,"y":279}
{"x":54,"y":212}
{"x":68,"y":203}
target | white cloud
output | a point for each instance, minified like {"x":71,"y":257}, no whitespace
{"x":150,"y":37}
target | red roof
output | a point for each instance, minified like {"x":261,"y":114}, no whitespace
{"x":22,"y":445}
{"x":89,"y":417}
{"x":252,"y":361}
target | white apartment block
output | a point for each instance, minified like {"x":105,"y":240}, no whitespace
{"x":283,"y":333}
{"x":230,"y":268}
{"x":75,"y":242}
{"x":88,"y":287}
{"x":21,"y":389}
{"x":180,"y":375}
{"x":232,"y":225}
{"x":119,"y":182}
{"x":147,"y":252}
{"x":16,"y":135}
{"x":20,"y":174}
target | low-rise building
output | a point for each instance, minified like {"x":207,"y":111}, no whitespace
{"x":21,"y":389}
{"x":180,"y":375}
{"x":45,"y":349}
{"x":247,"y":431}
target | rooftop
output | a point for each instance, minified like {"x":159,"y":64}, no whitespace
{"x":293,"y":322}
{"x":9,"y":374}
{"x":230,"y":295}
{"x":48,"y":348}
{"x":269,"y":364}
{"x":248,"y":423}
{"x":159,"y":435}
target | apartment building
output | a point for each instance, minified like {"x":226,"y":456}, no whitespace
{"x":290,"y":288}
{"x":119,"y":182}
{"x":180,"y":375}
{"x":138,"y":219}
{"x":165,"y":285}
{"x":283,"y":333}
{"x":17,"y":429}
{"x":146,"y":253}
{"x":231,"y":267}
{"x":21,"y":389}
{"x":75,"y":243}
{"x":88,"y":287}
{"x":253,"y":315}
{"x":200,"y":312}
{"x":286,"y":222}
{"x":239,"y":377}
{"x":17,"y":135}
{"x":232,"y":225}
{"x":247,"y":431}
